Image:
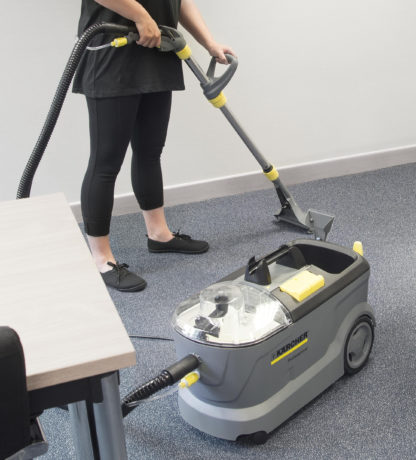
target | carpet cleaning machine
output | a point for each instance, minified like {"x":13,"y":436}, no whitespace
{"x":274,"y":335}
{"x":260,"y":344}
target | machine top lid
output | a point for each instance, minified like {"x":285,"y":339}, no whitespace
{"x":231,"y":313}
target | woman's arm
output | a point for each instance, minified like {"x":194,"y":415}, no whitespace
{"x":192,"y":20}
{"x":148,"y":30}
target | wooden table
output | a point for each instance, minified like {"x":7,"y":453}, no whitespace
{"x":52,"y":295}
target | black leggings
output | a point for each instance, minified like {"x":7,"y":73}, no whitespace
{"x":114,"y":122}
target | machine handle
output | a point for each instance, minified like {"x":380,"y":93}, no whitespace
{"x":216,"y":84}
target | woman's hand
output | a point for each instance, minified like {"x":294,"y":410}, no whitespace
{"x":148,"y":31}
{"x":219,"y":51}
{"x":191,"y":19}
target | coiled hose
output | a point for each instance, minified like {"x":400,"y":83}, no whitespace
{"x":25,"y":184}
{"x":167,"y":377}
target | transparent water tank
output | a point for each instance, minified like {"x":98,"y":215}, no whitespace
{"x":231,"y":313}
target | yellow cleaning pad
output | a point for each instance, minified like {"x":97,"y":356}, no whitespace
{"x":302,"y":285}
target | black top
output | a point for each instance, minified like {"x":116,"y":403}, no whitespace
{"x":132,"y":69}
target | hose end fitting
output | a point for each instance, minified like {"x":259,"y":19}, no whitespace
{"x":119,"y":42}
{"x":189,"y":379}
{"x":172,"y":374}
{"x":184,"y":53}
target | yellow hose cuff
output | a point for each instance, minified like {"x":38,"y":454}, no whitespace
{"x":272,"y":175}
{"x":184,"y":53}
{"x":119,"y":42}
{"x":189,"y":379}
{"x":219,"y":101}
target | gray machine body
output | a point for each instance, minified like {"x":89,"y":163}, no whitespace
{"x":243,"y":391}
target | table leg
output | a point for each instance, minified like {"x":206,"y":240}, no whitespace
{"x":109,"y":421}
{"x":83,"y":431}
{"x":97,"y":429}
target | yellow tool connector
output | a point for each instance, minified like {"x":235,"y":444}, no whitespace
{"x":189,"y":379}
{"x":219,"y":101}
{"x":184,"y":53}
{"x":272,"y":175}
{"x":119,"y":42}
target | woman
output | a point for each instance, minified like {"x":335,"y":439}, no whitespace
{"x":128,"y":93}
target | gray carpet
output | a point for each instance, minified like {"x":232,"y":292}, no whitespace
{"x":368,"y":416}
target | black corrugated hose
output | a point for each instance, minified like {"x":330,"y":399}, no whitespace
{"x":189,"y":363}
{"x":167,"y":377}
{"x":25,"y":184}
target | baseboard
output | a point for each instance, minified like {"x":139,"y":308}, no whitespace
{"x":249,"y":182}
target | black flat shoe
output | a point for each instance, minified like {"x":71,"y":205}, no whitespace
{"x":181,"y":243}
{"x":122,"y":279}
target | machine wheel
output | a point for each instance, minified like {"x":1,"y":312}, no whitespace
{"x":259,"y":437}
{"x":358,"y":345}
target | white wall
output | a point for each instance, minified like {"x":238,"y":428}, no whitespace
{"x":316,"y":80}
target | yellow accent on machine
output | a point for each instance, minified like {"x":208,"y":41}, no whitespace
{"x":302,"y":285}
{"x":358,"y":247}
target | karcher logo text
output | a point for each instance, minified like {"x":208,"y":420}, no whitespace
{"x":289,"y":348}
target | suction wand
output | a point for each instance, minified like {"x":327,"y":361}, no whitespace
{"x":315,"y":222}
